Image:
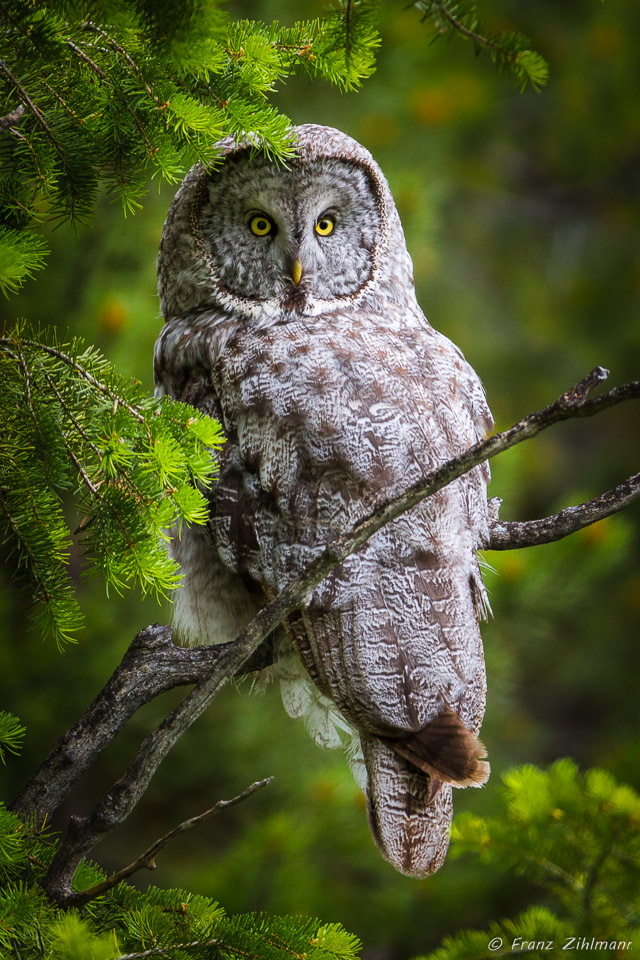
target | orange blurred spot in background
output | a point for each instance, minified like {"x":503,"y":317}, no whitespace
{"x":113,"y":316}
{"x":440,"y":104}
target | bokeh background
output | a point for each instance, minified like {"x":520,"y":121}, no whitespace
{"x":521,"y":212}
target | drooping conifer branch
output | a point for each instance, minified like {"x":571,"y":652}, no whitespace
{"x":119,"y":801}
{"x":507,"y":49}
{"x":130,"y":462}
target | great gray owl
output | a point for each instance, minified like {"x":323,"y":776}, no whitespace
{"x":290,"y":316}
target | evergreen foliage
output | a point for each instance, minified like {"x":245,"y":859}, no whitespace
{"x":11,"y":734}
{"x":509,"y":50}
{"x":143,"y":93}
{"x":134,"y":466}
{"x":576,"y":836}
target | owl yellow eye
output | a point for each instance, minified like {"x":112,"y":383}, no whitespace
{"x":325,"y":226}
{"x":261,"y":226}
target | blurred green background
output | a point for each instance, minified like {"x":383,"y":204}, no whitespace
{"x":521,"y":213}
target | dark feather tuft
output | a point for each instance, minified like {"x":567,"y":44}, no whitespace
{"x":447,"y":751}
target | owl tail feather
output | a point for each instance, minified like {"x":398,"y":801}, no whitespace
{"x":409,"y":820}
{"x":447,"y":751}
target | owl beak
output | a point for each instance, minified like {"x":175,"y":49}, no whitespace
{"x":296,"y":272}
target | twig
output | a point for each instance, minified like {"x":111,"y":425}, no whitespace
{"x":88,"y":25}
{"x":71,"y":415}
{"x":29,"y":399}
{"x":165,"y":951}
{"x":477,"y":38}
{"x":94,"y":66}
{"x":146,"y":859}
{"x":26,"y":548}
{"x":119,"y":801}
{"x":36,"y":165}
{"x":35,"y":111}
{"x":70,"y":362}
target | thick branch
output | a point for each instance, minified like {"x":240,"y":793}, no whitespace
{"x":146,"y":860}
{"x":116,"y":805}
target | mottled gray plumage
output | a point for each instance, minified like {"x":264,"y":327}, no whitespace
{"x":334,"y":393}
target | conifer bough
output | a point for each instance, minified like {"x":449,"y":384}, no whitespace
{"x":145,"y":91}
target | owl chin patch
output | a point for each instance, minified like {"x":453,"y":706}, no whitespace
{"x":296,"y":301}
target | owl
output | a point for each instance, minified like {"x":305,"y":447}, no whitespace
{"x":291,"y":317}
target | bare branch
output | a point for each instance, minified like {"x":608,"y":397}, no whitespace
{"x":115,"y":806}
{"x":511,"y":535}
{"x":146,"y":859}
{"x":151,"y":666}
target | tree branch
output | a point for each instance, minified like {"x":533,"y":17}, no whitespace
{"x":146,"y":859}
{"x":151,"y":666}
{"x":116,"y":805}
{"x":512,"y":535}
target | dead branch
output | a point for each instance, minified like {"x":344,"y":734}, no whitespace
{"x":512,"y":535}
{"x":229,"y":659}
{"x":153,"y":664}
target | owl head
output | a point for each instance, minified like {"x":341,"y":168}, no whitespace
{"x":263,"y":240}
